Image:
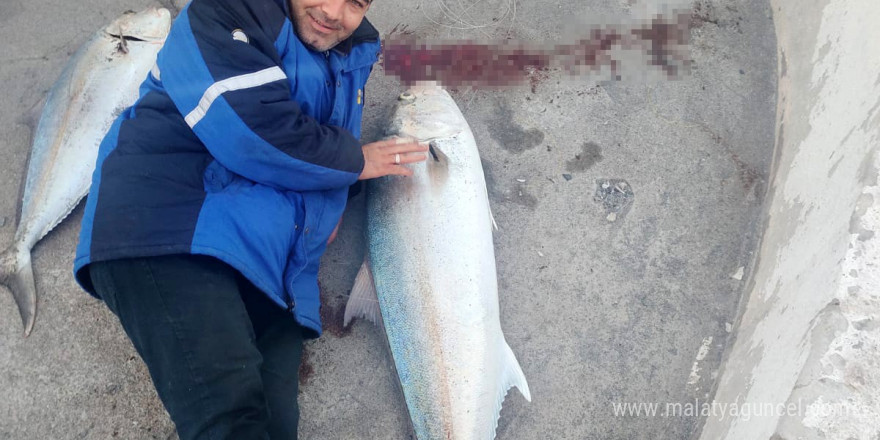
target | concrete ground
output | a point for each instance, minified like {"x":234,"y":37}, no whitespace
{"x":598,"y":312}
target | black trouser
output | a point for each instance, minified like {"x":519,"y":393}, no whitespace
{"x":223,"y":357}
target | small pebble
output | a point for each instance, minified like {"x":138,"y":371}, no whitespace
{"x":521,"y":180}
{"x":611,"y":217}
{"x":567,"y":176}
{"x":738,"y":275}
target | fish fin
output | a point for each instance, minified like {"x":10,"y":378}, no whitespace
{"x":437,"y":163}
{"x":511,"y":376}
{"x":363,"y":301}
{"x":31,"y":117}
{"x":437,"y":156}
{"x":17,"y":274}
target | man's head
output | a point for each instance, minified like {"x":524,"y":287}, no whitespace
{"x":322,"y":24}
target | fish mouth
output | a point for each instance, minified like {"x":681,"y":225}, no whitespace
{"x":133,"y":37}
{"x":125,"y":37}
{"x":123,"y":40}
{"x":148,"y":26}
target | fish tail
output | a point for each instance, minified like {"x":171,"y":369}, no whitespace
{"x":511,"y":376}
{"x":17,"y":274}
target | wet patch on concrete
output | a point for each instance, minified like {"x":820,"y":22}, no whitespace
{"x":670,"y":265}
{"x":590,"y":155}
{"x":517,"y":194}
{"x":489,"y":176}
{"x":522,"y":197}
{"x":748,"y":175}
{"x":703,"y":13}
{"x":616,"y":197}
{"x":708,"y":12}
{"x":332,"y":312}
{"x":510,"y":135}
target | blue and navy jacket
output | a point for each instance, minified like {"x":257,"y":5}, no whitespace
{"x":242,"y":146}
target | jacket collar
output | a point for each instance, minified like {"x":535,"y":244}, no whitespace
{"x":364,"y":33}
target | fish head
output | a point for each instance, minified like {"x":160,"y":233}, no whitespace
{"x":150,"y":25}
{"x":426,"y":112}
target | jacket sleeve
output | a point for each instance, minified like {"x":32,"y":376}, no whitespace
{"x":236,"y":98}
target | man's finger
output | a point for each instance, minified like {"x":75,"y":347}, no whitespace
{"x":405,"y":148}
{"x":404,"y":140}
{"x":398,"y":170}
{"x":410,"y":158}
{"x":390,"y":142}
{"x":402,"y":171}
{"x":399,"y":141}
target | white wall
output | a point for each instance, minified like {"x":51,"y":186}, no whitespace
{"x":808,"y":341}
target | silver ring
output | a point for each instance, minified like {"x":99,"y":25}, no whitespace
{"x":397,"y":159}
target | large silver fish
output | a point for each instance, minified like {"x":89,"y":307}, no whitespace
{"x":431,"y":270}
{"x":99,"y":81}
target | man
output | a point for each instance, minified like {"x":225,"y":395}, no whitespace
{"x":214,"y":198}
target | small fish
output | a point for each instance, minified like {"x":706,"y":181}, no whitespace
{"x":430,"y":278}
{"x":99,"y":81}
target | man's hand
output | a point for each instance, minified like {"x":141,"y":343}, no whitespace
{"x":387,"y":157}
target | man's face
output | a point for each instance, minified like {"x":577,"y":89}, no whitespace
{"x":322,"y":24}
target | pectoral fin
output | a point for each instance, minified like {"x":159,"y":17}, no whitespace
{"x":363,"y":301}
{"x":437,"y":164}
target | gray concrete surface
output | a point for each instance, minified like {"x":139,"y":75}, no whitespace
{"x":598,"y":312}
{"x":804,"y":364}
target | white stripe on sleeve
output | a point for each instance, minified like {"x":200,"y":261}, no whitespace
{"x":240,"y":82}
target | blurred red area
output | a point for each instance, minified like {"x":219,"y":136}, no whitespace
{"x":663,"y":41}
